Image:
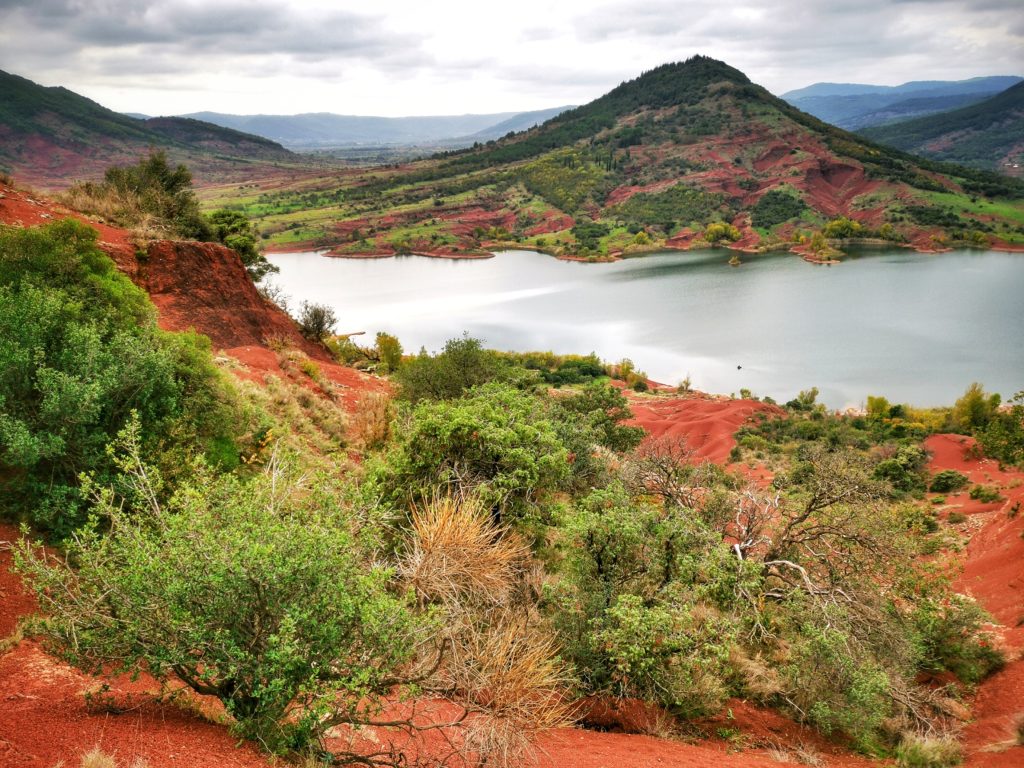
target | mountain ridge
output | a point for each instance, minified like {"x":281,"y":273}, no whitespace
{"x":320,"y":130}
{"x":52,"y":136}
{"x":855,"y":105}
{"x":987,"y":134}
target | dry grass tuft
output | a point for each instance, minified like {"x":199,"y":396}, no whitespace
{"x":370,"y":423}
{"x":761,"y":680}
{"x":511,"y":675}
{"x":917,"y":751}
{"x":459,"y":556}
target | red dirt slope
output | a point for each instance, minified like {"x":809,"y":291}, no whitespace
{"x":993,"y":573}
{"x":200,"y":286}
{"x":705,"y":423}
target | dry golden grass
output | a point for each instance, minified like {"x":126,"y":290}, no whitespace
{"x":499,"y":662}
{"x":510,"y":673}
{"x":370,"y":422}
{"x":459,"y":555}
{"x":112,"y":208}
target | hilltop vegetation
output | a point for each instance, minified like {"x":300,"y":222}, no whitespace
{"x":655,"y":161}
{"x":989,"y":134}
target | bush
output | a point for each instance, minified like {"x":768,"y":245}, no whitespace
{"x":719,"y":230}
{"x":463,"y":364}
{"x":305,"y":635}
{"x":389,"y":351}
{"x":948,"y":481}
{"x":496,"y":440}
{"x":317,"y":321}
{"x":775,"y":207}
{"x":636,"y":614}
{"x":235,"y":231}
{"x":986,"y":494}
{"x":79,"y":353}
{"x":975,"y":408}
{"x":151,"y":192}
{"x":1003,"y":436}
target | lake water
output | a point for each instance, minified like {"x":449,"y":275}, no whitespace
{"x":914,"y":327}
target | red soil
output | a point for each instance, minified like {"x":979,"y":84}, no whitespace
{"x":201,"y":286}
{"x":993,"y":573}
{"x":706,"y":423}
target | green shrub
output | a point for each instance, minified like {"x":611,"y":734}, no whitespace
{"x":986,"y":494}
{"x":948,"y":481}
{"x":719,"y":230}
{"x":775,"y":207}
{"x":951,"y":639}
{"x":149,"y":192}
{"x":260,"y":593}
{"x":79,"y":353}
{"x":389,"y":351}
{"x":496,"y":440}
{"x":461,"y":365}
{"x":317,"y":321}
{"x":235,"y":231}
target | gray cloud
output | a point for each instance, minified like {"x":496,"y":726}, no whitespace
{"x":404,"y":56}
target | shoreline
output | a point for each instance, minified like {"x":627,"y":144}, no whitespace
{"x":831,"y":258}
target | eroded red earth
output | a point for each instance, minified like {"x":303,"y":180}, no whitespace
{"x":45,"y":716}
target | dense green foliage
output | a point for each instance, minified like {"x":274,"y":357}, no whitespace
{"x":775,"y":207}
{"x":236,"y":232}
{"x":677,"y":206}
{"x":1003,"y":435}
{"x":461,"y":365}
{"x":240,"y":590}
{"x":79,"y":353}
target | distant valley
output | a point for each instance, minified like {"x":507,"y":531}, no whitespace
{"x":856,"y":105}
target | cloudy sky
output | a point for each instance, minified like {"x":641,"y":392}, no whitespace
{"x":415,"y":57}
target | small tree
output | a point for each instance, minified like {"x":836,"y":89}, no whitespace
{"x":389,"y":351}
{"x":235,"y":231}
{"x":261,"y":594}
{"x":317,"y":321}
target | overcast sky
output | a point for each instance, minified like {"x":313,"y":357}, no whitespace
{"x":417,"y":57}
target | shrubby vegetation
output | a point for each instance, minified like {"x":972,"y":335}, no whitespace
{"x":502,"y":544}
{"x":80,"y":353}
{"x":775,"y":207}
{"x":155,"y":199}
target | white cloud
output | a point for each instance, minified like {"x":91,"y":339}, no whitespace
{"x":395,"y":57}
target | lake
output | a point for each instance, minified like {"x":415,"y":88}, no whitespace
{"x":913,"y":327}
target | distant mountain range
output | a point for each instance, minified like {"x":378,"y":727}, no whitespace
{"x":854,"y":105}
{"x":325,"y":130}
{"x":51,"y":137}
{"x":987,"y":134}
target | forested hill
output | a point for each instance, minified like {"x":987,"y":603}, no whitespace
{"x":989,"y":134}
{"x":685,"y":154}
{"x":52,"y":136}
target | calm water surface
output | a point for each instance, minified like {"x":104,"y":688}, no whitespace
{"x":913,"y":327}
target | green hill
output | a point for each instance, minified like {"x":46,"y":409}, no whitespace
{"x":686,"y":153}
{"x":52,"y":136}
{"x":989,"y":134}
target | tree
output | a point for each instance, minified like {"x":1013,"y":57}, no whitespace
{"x":317,"y":321}
{"x":389,"y":351}
{"x":975,"y":408}
{"x":461,"y":365}
{"x":235,"y":231}
{"x":497,"y":441}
